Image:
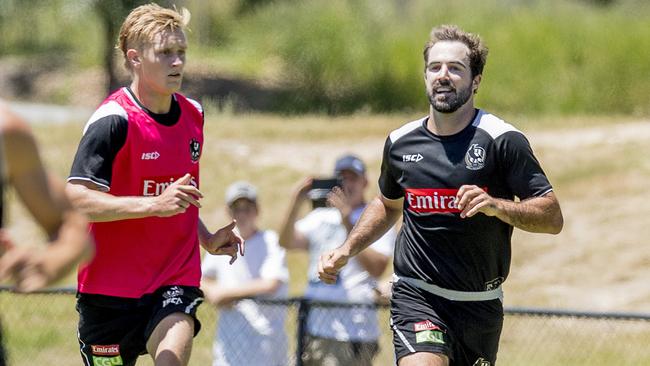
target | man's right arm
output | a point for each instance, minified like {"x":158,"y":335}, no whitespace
{"x":101,"y":206}
{"x":379,"y":216}
{"x":104,"y":136}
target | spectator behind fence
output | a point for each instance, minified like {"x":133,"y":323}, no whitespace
{"x":31,"y":268}
{"x":261,"y":274}
{"x":462,"y":179}
{"x":341,"y":335}
{"x":136,"y":174}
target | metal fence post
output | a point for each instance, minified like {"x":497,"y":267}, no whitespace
{"x":303,"y":312}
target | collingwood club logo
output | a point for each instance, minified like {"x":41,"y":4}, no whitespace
{"x":482,"y":362}
{"x":475,"y":157}
{"x":195,"y":149}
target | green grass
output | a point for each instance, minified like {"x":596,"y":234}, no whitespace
{"x":41,"y":329}
{"x":547,"y":57}
{"x":538,"y":341}
{"x":275,"y":152}
{"x":550,"y":57}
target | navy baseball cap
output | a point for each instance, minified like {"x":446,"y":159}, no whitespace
{"x":350,"y":162}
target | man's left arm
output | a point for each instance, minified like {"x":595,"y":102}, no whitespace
{"x":536,"y":214}
{"x":225,"y":241}
{"x":537,"y":210}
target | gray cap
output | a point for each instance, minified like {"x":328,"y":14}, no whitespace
{"x":350,"y":162}
{"x":239,"y":190}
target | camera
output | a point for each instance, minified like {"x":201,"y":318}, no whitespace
{"x":320,"y":188}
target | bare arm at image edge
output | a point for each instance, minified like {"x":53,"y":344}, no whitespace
{"x":45,"y":199}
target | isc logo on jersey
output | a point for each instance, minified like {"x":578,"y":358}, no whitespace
{"x":412,"y":158}
{"x":150,"y":155}
{"x":155,"y":186}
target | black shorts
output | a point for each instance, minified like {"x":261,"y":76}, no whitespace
{"x":115,"y":330}
{"x":466,"y":331}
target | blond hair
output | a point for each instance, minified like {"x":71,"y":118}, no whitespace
{"x":477,"y":50}
{"x":145,"y":21}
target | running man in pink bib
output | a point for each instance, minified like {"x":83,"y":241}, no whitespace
{"x":136,"y":175}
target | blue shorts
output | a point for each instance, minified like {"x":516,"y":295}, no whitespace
{"x":465,"y":331}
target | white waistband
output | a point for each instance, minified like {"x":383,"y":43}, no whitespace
{"x":453,"y":295}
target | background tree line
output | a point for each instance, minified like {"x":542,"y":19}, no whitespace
{"x":341,"y":56}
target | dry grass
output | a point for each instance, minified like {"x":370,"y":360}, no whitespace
{"x":599,"y":262}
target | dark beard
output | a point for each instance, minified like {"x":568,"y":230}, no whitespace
{"x":452,"y":104}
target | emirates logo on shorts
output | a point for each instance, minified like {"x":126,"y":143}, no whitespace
{"x":425,"y":325}
{"x":105,"y":350}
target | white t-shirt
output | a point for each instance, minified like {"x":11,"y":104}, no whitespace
{"x":324,"y":231}
{"x":250,"y":333}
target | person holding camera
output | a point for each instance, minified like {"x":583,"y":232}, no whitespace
{"x":338,"y":335}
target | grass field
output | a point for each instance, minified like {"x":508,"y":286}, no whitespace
{"x":40,"y":329}
{"x":599,"y":262}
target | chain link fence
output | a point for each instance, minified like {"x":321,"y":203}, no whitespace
{"x":40,"y":329}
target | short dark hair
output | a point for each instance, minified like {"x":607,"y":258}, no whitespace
{"x":477,"y":50}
